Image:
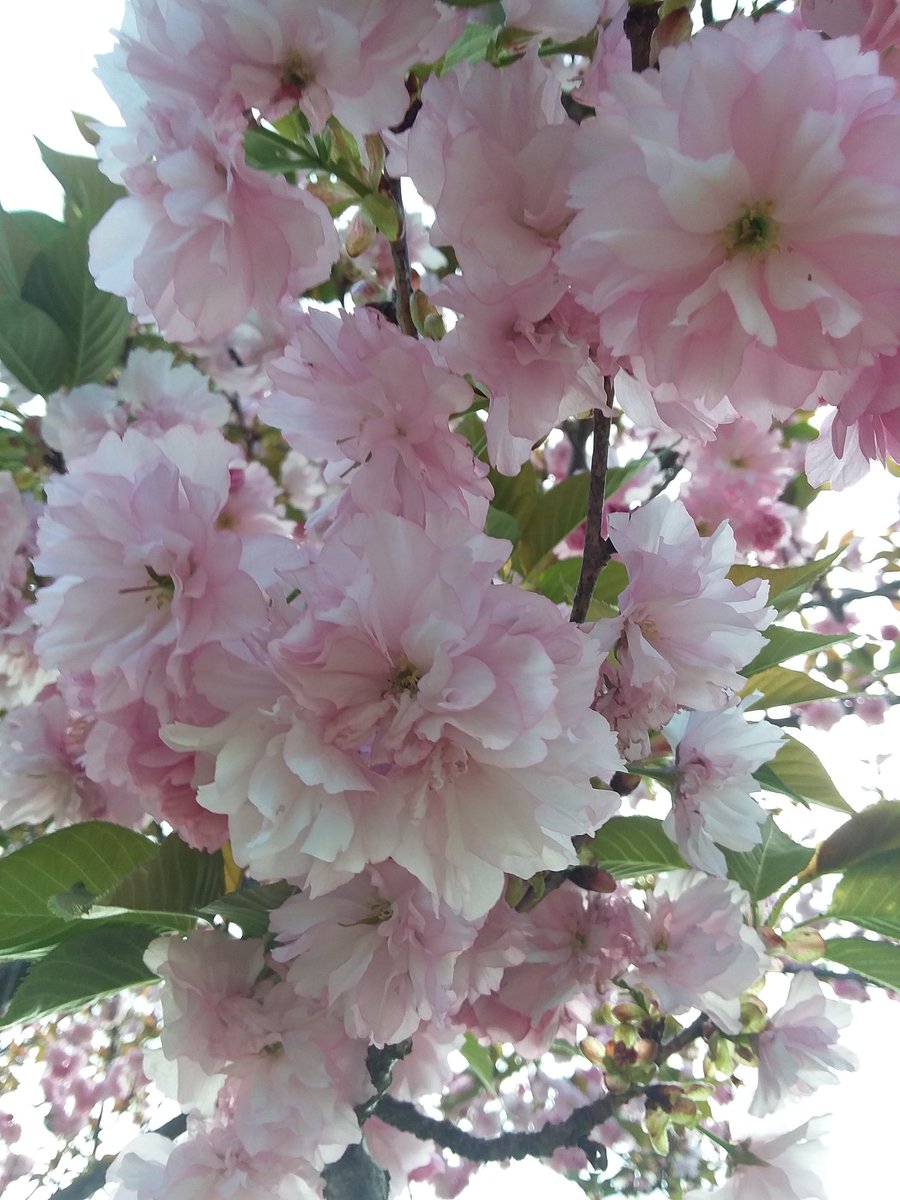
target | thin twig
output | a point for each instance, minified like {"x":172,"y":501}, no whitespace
{"x":95,"y":1176}
{"x":596,"y":548}
{"x":400,"y":258}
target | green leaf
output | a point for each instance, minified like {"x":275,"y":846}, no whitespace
{"x":88,"y":192}
{"x":91,"y":963}
{"x":266,"y":150}
{"x":472,"y":45}
{"x":500,"y":524}
{"x":631,"y":846}
{"x":22,"y":234}
{"x":796,"y":771}
{"x":768,"y":866}
{"x":786,"y":584}
{"x":783,"y":643}
{"x":32,"y":346}
{"x":479,"y":1059}
{"x":517,"y":494}
{"x":94,"y":323}
{"x":559,"y":581}
{"x":866,"y":835}
{"x":382,"y":212}
{"x":250,"y":907}
{"x":878,"y":961}
{"x":869,"y":895}
{"x":95,"y":854}
{"x":780,"y":687}
{"x":613,"y":580}
{"x":556,"y":513}
{"x":177,"y":881}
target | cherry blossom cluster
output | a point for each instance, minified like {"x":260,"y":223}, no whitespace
{"x":274,"y":598}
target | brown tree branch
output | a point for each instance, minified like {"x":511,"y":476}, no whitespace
{"x":596,"y":548}
{"x":400,"y":258}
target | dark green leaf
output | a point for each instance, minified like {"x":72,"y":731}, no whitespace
{"x":88,"y":192}
{"x":94,"y":323}
{"x":783,"y":643}
{"x":613,"y":579}
{"x":780,"y":687}
{"x":178,"y":880}
{"x":795,"y":771}
{"x":631,"y":846}
{"x":768,"y":866}
{"x":93,"y":962}
{"x":866,"y":835}
{"x":250,"y":907}
{"x":22,"y":234}
{"x":95,"y":854}
{"x":878,"y":961}
{"x":556,"y":513}
{"x":479,"y":1059}
{"x":32,"y":346}
{"x":869,"y":895}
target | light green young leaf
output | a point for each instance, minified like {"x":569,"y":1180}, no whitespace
{"x":778,"y":686}
{"x":878,"y":961}
{"x":869,"y":895}
{"x":866,"y":835}
{"x":768,"y":866}
{"x":795,"y":771}
{"x":479,"y":1059}
{"x":628,"y":847}
{"x":783,"y":643}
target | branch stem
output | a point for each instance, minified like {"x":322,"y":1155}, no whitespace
{"x":596,"y":548}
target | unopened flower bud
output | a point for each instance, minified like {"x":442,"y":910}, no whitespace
{"x":804,"y":945}
{"x":359,"y":236}
{"x":593,"y":1050}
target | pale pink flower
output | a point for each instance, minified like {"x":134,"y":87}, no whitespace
{"x":692,"y":948}
{"x":15,"y":526}
{"x":863,"y":428}
{"x":211,"y":1011}
{"x":737,"y":477}
{"x":143,"y":575}
{"x":797,"y":1049}
{"x":490,"y":152}
{"x":347,"y":58}
{"x":533,"y":359}
{"x":790,"y":1169}
{"x":559,"y":19}
{"x":380,"y":950}
{"x":684,"y":630}
{"x":375,"y":405}
{"x":42,"y":775}
{"x":427,"y":715}
{"x":204,"y":239}
{"x":715,"y":756}
{"x":153,"y":394}
{"x":699,"y":239}
{"x":876,"y":22}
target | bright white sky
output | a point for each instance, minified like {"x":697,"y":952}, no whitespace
{"x":46,"y":60}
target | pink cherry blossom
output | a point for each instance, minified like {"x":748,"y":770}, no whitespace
{"x":684,"y":629}
{"x":430,"y":715}
{"x":797,"y":1050}
{"x":489,"y":150}
{"x":864,"y":426}
{"x":559,"y":19}
{"x":715,"y":756}
{"x":380,"y":949}
{"x":376,"y":405}
{"x":204,"y":239}
{"x":143,"y":575}
{"x":790,"y":1168}
{"x":876,"y":22}
{"x":344,"y":57}
{"x":699,"y":239}
{"x":692,"y":948}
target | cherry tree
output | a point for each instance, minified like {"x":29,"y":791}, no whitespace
{"x":407,"y":599}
